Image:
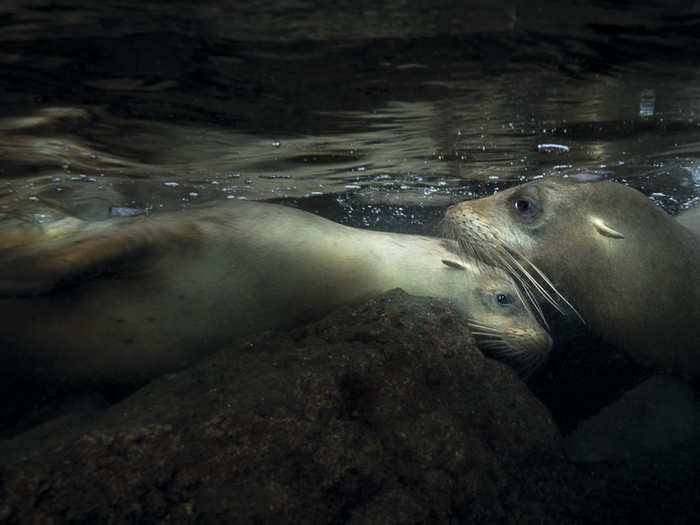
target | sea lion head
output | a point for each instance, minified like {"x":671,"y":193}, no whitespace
{"x":501,"y":320}
{"x":544,"y":212}
{"x":504,"y":229}
{"x":603,"y":245}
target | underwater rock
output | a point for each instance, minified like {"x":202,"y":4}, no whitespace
{"x":384,"y":412}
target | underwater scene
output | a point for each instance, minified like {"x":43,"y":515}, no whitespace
{"x":206,"y":210}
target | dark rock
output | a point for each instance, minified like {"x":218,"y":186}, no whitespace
{"x":383,"y":413}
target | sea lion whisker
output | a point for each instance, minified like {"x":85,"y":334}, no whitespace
{"x":493,"y":254}
{"x":519,"y":353}
{"x":497,"y":341}
{"x":474,"y":252}
{"x":508,"y":254}
{"x":481,"y":326}
{"x":537,"y":307}
{"x":498,"y":255}
{"x":495,"y":348}
{"x":493,"y":251}
{"x":486,"y":335}
{"x":530,"y":285}
{"x":487,"y":344}
{"x":525,"y":285}
{"x":554,"y":288}
{"x":524,"y":363}
{"x":484,"y":331}
{"x":548,"y":297}
{"x":523,"y":360}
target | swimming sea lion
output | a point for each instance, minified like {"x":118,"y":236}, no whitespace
{"x":138,"y":296}
{"x":630,"y":269}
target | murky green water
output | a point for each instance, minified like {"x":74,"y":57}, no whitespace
{"x":405,"y":104}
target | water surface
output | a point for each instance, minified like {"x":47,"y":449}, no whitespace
{"x":377,"y":111}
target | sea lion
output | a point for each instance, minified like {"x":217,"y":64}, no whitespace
{"x":139,"y":296}
{"x":630,"y":269}
{"x":690,"y":218}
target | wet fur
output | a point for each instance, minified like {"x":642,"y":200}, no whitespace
{"x":631,"y":270}
{"x":139,"y":296}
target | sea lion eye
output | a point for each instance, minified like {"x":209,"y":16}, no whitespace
{"x":525,"y":207}
{"x":504,"y":299}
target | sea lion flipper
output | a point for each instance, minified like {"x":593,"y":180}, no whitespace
{"x":89,"y":251}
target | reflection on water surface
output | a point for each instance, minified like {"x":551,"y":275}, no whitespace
{"x":159,"y":106}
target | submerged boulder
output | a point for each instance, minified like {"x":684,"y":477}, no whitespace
{"x":383,"y":412}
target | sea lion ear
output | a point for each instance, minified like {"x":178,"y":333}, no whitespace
{"x":604,"y":229}
{"x":453,"y":264}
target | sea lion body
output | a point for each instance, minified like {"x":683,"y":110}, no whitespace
{"x":138,"y":296}
{"x":690,"y":218}
{"x":630,"y":269}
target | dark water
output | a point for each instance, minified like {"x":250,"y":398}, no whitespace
{"x":352,"y":104}
{"x":374,"y":114}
